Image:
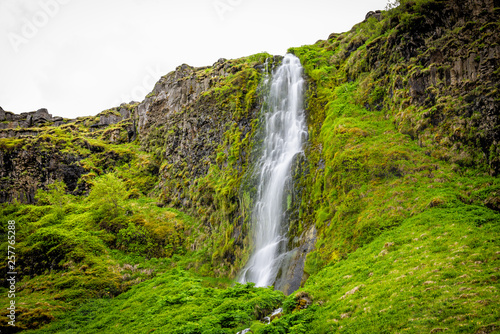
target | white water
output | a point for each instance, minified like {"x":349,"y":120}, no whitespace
{"x":285,"y":130}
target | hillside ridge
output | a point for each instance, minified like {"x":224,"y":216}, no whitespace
{"x":394,"y":213}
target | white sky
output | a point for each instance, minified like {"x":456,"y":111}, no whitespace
{"x":79,"y":57}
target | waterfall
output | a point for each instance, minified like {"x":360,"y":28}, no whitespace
{"x":283,"y":134}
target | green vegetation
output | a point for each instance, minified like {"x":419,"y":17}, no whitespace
{"x":208,"y":186}
{"x":71,"y":248}
{"x":437,"y":271}
{"x":400,"y":184}
{"x":174,"y":302}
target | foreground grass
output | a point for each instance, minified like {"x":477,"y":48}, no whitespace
{"x":439,"y":271}
{"x":174,"y":302}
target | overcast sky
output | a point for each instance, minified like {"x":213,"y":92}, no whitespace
{"x":79,"y":57}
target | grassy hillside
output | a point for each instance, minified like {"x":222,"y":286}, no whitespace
{"x":400,"y":181}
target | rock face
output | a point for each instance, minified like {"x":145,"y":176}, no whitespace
{"x":448,"y":54}
{"x":178,"y":90}
{"x":185,"y":117}
{"x":293,"y":275}
{"x":27,"y":124}
{"x":26,"y":120}
{"x":31,"y":124}
{"x":24,"y":171}
{"x":31,"y":156}
{"x":194,"y":120}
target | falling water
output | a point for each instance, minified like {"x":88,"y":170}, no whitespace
{"x":285,"y":130}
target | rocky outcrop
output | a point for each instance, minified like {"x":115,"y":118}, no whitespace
{"x":375,"y":14}
{"x":177,"y":90}
{"x":187,"y":119}
{"x":33,"y":123}
{"x":442,"y":59}
{"x":199,"y":123}
{"x":28,"y":120}
{"x":24,"y":171}
{"x":31,"y":153}
{"x":29,"y":124}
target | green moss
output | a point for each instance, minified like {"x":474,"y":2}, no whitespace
{"x":429,"y":273}
{"x":405,"y":210}
{"x":182,"y":302}
{"x":9,"y":144}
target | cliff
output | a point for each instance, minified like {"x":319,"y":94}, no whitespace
{"x":394,"y":217}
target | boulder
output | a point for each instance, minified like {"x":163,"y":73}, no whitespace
{"x":376,"y":14}
{"x":41,"y":116}
{"x":9,"y":116}
{"x":29,"y":120}
{"x":125,"y":113}
{"x":109,"y":119}
{"x":2,"y":114}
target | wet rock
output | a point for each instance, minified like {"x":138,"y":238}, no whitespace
{"x":245,"y":331}
{"x":292,"y":275}
{"x":278,"y":313}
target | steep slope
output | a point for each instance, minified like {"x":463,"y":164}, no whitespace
{"x":100,"y":195}
{"x":399,"y":188}
{"x":360,"y":149}
{"x":406,"y":209}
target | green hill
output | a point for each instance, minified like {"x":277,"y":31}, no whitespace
{"x":138,"y":219}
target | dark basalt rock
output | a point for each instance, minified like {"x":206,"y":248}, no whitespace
{"x":454,"y":50}
{"x":41,"y":116}
{"x":375,"y":14}
{"x":23,"y":172}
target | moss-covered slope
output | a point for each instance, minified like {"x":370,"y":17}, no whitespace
{"x":399,"y":187}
